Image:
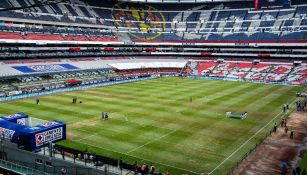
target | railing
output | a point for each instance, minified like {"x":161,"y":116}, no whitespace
{"x":19,"y":169}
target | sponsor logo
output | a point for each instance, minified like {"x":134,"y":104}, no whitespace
{"x":12,"y":116}
{"x":21,"y":121}
{"x":49,"y":123}
{"x":7,"y":133}
{"x":47,"y":68}
{"x":48,"y":136}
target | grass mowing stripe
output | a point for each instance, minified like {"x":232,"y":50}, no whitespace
{"x":150,"y":142}
{"x":142,"y":112}
{"x":167,"y":165}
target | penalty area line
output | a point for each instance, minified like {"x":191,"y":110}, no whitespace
{"x":151,"y":141}
{"x":247,"y":141}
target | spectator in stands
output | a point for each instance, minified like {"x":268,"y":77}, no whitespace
{"x":167,"y":173}
{"x":106,"y":116}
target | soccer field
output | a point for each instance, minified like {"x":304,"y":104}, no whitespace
{"x":154,"y":121}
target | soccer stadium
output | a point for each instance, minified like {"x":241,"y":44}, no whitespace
{"x":153,"y":87}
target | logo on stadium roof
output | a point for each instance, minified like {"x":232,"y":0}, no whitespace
{"x":144,"y":21}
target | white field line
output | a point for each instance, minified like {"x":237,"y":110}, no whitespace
{"x":151,"y":141}
{"x":193,"y":172}
{"x":247,"y":141}
{"x":91,"y":135}
{"x":129,"y":154}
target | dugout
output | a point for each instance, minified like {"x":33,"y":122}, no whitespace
{"x":32,"y":138}
{"x":73,"y":82}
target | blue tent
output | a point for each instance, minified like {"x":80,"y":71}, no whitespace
{"x":35,"y":137}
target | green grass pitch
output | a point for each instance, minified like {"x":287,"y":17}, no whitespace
{"x":154,"y":121}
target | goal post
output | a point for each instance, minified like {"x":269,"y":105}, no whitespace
{"x":236,"y":115}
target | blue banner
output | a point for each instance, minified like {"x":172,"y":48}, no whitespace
{"x":45,"y":68}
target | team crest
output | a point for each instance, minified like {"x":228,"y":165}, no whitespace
{"x":147,"y":20}
{"x":39,"y":138}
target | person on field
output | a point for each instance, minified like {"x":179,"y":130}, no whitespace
{"x":135,"y":168}
{"x":102,"y":115}
{"x":298,"y":170}
{"x":284,"y":166}
{"x":37,"y":101}
{"x":74,"y":100}
{"x":282,"y":122}
{"x":152,"y":169}
{"x":143,"y":169}
{"x":275,"y":127}
{"x":286,"y":130}
{"x":106,"y":116}
{"x":120,"y":163}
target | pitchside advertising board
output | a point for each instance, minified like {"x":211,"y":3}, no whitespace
{"x":32,"y":138}
{"x":44,"y":133}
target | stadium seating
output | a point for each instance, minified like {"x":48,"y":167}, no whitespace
{"x":210,"y":23}
{"x":265,"y":72}
{"x":205,"y":67}
{"x":9,"y":35}
{"x":32,"y":36}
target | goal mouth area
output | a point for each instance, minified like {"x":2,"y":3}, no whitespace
{"x":36,"y":121}
{"x":236,"y":115}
